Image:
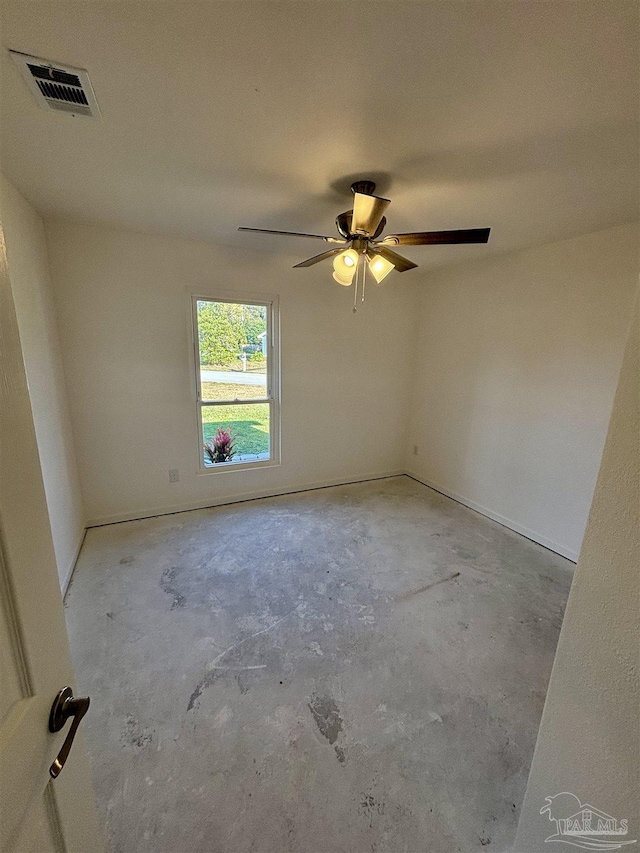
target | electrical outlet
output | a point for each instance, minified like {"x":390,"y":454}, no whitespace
{"x":415,"y":449}
{"x":174,"y":475}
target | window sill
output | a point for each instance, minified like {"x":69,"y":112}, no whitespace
{"x":240,"y":465}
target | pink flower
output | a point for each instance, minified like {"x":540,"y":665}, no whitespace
{"x":220,"y":448}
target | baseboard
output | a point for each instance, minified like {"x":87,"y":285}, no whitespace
{"x":323,"y":484}
{"x":501,"y":519}
{"x":66,"y":580}
{"x":246,"y":496}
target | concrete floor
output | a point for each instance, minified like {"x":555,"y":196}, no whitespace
{"x":360,"y":668}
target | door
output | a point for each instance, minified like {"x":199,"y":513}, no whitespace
{"x":37,"y":814}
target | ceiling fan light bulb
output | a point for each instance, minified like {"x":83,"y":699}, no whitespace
{"x":380,"y":267}
{"x":345,"y":264}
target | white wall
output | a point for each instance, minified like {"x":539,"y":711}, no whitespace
{"x":588,"y":741}
{"x":122,"y":302}
{"x":518,"y":362}
{"x":31,"y":286}
{"x":513,"y":361}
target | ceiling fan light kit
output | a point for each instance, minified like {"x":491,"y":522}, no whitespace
{"x":359,"y":230}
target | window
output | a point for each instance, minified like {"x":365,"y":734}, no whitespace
{"x":237,"y":386}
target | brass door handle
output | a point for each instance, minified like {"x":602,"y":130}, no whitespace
{"x":65,"y":706}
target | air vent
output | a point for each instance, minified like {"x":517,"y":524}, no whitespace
{"x":58,"y":87}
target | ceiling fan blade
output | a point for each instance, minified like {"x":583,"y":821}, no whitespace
{"x":400,"y":263}
{"x":368,"y":210}
{"x":436,"y":238}
{"x":294,"y":234}
{"x":317,"y":258}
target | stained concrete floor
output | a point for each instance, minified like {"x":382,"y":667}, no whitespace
{"x":360,"y":668}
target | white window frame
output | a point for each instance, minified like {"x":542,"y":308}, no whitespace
{"x":271,"y":303}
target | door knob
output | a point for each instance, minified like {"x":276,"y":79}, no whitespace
{"x":65,"y":706}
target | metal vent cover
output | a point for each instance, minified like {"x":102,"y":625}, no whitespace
{"x":58,"y":87}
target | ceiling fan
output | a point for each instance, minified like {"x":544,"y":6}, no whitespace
{"x":360,"y":248}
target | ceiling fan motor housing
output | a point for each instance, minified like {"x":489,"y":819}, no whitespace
{"x":343,"y":224}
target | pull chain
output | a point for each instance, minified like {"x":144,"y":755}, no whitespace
{"x":355,"y":289}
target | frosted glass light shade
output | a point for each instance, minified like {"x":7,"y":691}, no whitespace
{"x":343,"y":279}
{"x":345,"y":265}
{"x":380,"y":267}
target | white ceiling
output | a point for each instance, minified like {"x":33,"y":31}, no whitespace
{"x":518,"y":115}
